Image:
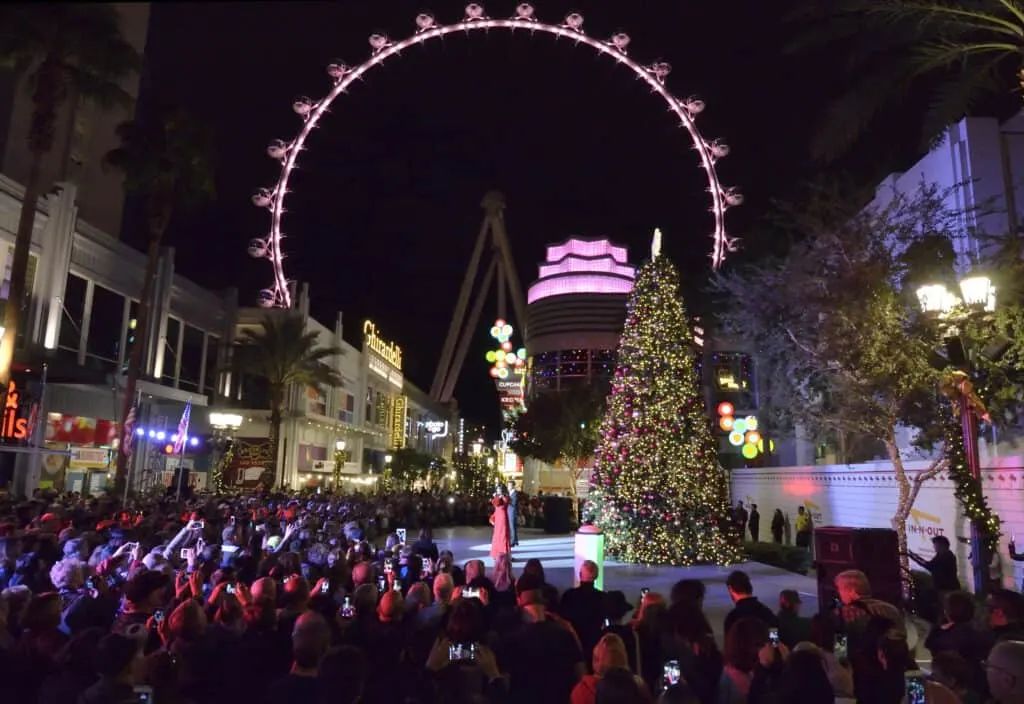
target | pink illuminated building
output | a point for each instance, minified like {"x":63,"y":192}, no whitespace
{"x":575,"y":312}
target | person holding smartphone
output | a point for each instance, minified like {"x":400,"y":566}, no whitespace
{"x":462,"y":640}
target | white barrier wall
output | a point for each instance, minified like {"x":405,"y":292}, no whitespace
{"x":864,"y":496}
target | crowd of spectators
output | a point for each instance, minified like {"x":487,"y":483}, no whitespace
{"x":348,"y":599}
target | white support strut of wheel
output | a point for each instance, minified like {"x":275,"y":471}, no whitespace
{"x":427,"y":28}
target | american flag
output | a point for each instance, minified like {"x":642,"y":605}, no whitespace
{"x":182,"y":436}
{"x":128,"y":432}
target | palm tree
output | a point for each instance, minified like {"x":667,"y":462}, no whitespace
{"x":961,"y":50}
{"x":284,"y":354}
{"x":69,"y":51}
{"x":166,"y":157}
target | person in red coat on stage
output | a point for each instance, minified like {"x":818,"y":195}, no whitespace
{"x":500,"y":544}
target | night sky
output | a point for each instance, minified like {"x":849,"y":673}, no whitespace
{"x":385,"y":206}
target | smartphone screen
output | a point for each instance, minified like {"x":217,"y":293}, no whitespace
{"x":389,"y":566}
{"x":397,"y":585}
{"x":458,"y":651}
{"x":325,"y":588}
{"x":915,"y":688}
{"x":347,"y":610}
{"x":382,"y":584}
{"x":671,"y":673}
{"x":230,"y":589}
{"x":607,"y":623}
{"x":644,"y":592}
{"x":158,"y":615}
{"x":470,"y":593}
{"x":90,"y":583}
{"x":143,"y":695}
{"x":840,"y":649}
{"x":773,"y":636}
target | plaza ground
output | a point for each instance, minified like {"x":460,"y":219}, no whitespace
{"x":556,"y":553}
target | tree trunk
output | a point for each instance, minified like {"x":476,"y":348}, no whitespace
{"x":15,"y":302}
{"x":45,"y":99}
{"x":157,"y":228}
{"x":903,"y":505}
{"x":276,"y":413}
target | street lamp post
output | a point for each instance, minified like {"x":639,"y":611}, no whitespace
{"x":225,"y":425}
{"x":979,"y":296}
{"x":339,"y":459}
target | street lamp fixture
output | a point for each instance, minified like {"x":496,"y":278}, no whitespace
{"x":977,"y":290}
{"x":477,"y":446}
{"x":223,"y":421}
{"x":339,"y":446}
{"x":490,"y":461}
{"x":979,"y":295}
{"x":387,"y":459}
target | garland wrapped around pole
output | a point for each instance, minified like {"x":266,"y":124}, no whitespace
{"x":218,"y":469}
{"x":968,"y":489}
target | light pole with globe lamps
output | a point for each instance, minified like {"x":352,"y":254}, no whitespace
{"x":339,"y":459}
{"x":225,"y":426}
{"x":978,"y":298}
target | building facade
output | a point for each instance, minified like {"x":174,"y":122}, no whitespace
{"x":79,"y":331}
{"x":575,"y":312}
{"x":353,"y":429}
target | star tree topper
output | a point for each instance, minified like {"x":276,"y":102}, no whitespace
{"x":656,"y":244}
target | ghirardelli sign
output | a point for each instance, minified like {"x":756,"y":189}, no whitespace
{"x":389,"y":351}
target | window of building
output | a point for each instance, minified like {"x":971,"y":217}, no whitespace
{"x":368,"y":414}
{"x":212,"y":363}
{"x":72,"y":313}
{"x":732,"y":378}
{"x":105,"y":322}
{"x":170,"y":351}
{"x":347,"y":407}
{"x":191,"y":358}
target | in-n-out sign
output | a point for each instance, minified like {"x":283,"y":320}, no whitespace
{"x":436,"y":428}
{"x":11,"y":426}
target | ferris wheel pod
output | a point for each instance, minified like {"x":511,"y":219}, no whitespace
{"x":267,"y":298}
{"x":277,"y":149}
{"x":258,"y":248}
{"x":476,"y":19}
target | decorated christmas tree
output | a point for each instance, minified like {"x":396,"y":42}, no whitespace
{"x":657,"y":489}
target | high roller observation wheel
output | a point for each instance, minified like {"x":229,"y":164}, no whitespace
{"x":475,"y":19}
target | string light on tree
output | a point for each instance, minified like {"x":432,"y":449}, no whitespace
{"x":657,"y":489}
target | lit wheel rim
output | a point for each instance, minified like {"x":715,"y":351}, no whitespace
{"x":686,"y":109}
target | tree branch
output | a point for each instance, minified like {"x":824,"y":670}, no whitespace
{"x":924,"y":475}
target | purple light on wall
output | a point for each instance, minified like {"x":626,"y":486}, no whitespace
{"x":573,"y":264}
{"x":587,"y":248}
{"x":583,"y":266}
{"x":578,"y":283}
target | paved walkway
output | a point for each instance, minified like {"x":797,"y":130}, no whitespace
{"x":556,"y":553}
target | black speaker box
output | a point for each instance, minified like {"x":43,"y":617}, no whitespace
{"x":873,"y":551}
{"x":558,"y":516}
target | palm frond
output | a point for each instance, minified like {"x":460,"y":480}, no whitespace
{"x":849,"y":117}
{"x":961,"y":18}
{"x":284,"y":353}
{"x":954,"y":98}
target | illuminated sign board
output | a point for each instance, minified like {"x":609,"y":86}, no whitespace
{"x":436,"y":428}
{"x":389,"y":351}
{"x":11,"y":426}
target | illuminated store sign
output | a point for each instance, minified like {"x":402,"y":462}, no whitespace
{"x":396,"y":424}
{"x":389,"y":351}
{"x":436,"y":428}
{"x":11,"y":426}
